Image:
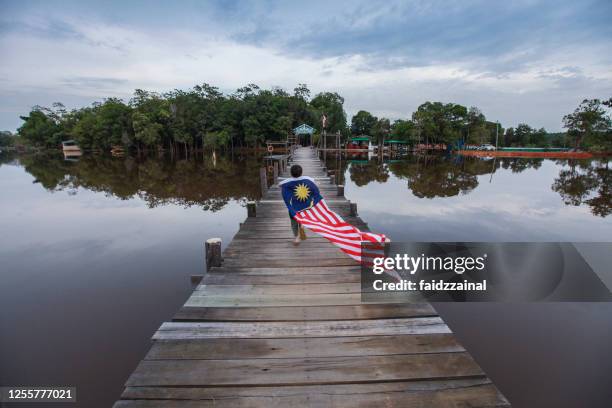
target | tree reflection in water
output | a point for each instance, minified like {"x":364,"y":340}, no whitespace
{"x":212,"y":183}
{"x":584,"y":182}
{"x":208,"y":183}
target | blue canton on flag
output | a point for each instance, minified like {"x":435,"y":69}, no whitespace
{"x":300,"y":193}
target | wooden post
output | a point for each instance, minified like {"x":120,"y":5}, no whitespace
{"x":251,"y":209}
{"x":340,"y":189}
{"x":353,"y":209}
{"x":263,"y":178}
{"x":332,"y":179}
{"x":212,"y":252}
{"x":387,"y":246}
{"x":275,"y":171}
{"x":324,"y":169}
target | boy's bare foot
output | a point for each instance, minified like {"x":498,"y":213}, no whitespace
{"x":297,"y":241}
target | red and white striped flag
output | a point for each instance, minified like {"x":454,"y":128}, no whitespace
{"x":325,"y":222}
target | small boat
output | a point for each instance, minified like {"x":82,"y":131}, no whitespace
{"x":71,"y":149}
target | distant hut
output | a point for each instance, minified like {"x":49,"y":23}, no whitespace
{"x":304,"y":134}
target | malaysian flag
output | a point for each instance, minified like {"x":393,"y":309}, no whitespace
{"x":309,"y":209}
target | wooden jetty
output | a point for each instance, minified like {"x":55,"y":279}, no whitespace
{"x":282,"y":326}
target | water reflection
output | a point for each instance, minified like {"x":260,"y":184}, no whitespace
{"x":95,"y":254}
{"x":586,"y":183}
{"x":579,"y":182}
{"x":209,"y":182}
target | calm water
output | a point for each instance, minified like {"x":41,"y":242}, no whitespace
{"x":95,"y":254}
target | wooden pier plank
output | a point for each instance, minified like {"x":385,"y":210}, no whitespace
{"x":302,"y":347}
{"x":470,"y":392}
{"x":304,"y":313}
{"x":303,"y":371}
{"x":290,"y":300}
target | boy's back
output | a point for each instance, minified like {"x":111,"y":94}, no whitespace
{"x":299,"y":193}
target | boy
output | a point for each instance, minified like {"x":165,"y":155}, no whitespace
{"x":299,"y":193}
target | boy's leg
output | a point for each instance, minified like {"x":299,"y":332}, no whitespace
{"x":295,"y":228}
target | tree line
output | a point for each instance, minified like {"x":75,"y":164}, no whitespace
{"x":203,"y":117}
{"x":589,"y":126}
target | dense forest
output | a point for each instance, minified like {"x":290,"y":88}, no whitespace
{"x":203,"y":117}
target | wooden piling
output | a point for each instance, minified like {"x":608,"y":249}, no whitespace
{"x":251,"y":209}
{"x":340,"y":190}
{"x":263,"y":179}
{"x":212,"y":252}
{"x":196,"y":279}
{"x":353,"y":209}
{"x":275,"y":172}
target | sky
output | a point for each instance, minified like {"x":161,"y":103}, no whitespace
{"x":518,"y":61}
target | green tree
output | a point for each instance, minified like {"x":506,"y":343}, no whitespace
{"x":302,"y":92}
{"x":404,"y":130}
{"x":40,"y":129}
{"x":332,"y":105}
{"x":150,"y":119}
{"x":589,"y":121}
{"x":509,"y":137}
{"x":475,"y":128}
{"x":6,"y":138}
{"x":381,"y":130}
{"x":362,"y":123}
{"x":539,"y":138}
{"x":440,"y":123}
{"x":146,"y":131}
{"x":522,"y":134}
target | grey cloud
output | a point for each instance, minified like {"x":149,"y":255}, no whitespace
{"x":93,"y":82}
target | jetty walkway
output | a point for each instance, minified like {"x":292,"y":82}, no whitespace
{"x":283,"y":326}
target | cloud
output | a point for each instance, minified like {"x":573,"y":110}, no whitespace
{"x":520,"y":62}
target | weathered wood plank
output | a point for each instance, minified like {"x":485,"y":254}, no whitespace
{"x":260,"y":243}
{"x":286,"y":262}
{"x":301,"y":313}
{"x":259,"y":290}
{"x":278,"y":252}
{"x":288,"y":270}
{"x":219,"y":349}
{"x":297,"y":371}
{"x":334,"y":299}
{"x":333,"y":328}
{"x":279,"y":279}
{"x":472,"y":392}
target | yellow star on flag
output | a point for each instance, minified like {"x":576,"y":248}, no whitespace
{"x":301,"y":192}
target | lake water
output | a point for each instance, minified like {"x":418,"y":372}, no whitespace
{"x":95,"y":254}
